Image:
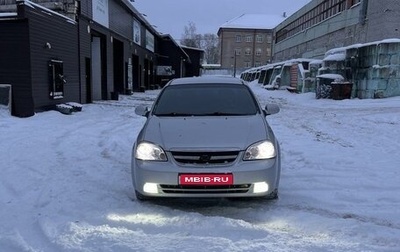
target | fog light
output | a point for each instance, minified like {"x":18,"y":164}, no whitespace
{"x":150,"y":188}
{"x":260,"y":187}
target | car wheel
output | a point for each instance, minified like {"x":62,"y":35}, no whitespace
{"x":140,"y":196}
{"x":273,"y":195}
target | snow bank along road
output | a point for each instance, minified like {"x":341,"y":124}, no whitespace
{"x":65,"y":183}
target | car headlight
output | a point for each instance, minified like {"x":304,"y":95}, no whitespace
{"x":150,"y":152}
{"x":260,"y":150}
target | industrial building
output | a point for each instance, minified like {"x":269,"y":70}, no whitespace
{"x":349,"y":42}
{"x":58,"y":51}
{"x":325,"y":24}
{"x":246,"y":41}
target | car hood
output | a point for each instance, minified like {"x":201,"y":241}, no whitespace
{"x":221,"y":132}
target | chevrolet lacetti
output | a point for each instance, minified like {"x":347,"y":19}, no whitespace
{"x":206,"y":137}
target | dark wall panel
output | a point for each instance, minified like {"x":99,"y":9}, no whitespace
{"x":86,"y":8}
{"x":53,"y":38}
{"x":120,"y":19}
{"x":15,"y":65}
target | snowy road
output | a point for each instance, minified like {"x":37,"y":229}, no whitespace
{"x":65,"y":183}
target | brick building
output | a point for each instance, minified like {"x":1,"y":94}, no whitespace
{"x":246,"y":41}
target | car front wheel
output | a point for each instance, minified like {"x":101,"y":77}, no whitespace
{"x":140,"y":196}
{"x":273,"y":195}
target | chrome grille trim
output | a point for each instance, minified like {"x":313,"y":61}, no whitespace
{"x":222,"y":157}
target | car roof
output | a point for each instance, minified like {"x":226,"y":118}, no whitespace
{"x":209,"y":79}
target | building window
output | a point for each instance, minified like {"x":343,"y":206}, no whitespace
{"x":258,"y":52}
{"x":238,"y":38}
{"x":247,"y":51}
{"x":268,"y":52}
{"x":321,"y":12}
{"x":247,"y":64}
{"x":238,"y":51}
{"x":269,"y":38}
{"x":249,"y":38}
{"x":259,"y":38}
{"x":257,"y":64}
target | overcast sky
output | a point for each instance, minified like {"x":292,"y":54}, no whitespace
{"x":171,"y":16}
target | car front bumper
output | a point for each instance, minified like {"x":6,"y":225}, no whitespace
{"x":161,"y":179}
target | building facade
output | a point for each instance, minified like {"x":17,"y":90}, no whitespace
{"x":246,"y":41}
{"x":58,"y":51}
{"x":344,"y":49}
{"x":325,"y":24}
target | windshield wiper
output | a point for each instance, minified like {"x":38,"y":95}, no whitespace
{"x":174,"y":114}
{"x":218,"y":113}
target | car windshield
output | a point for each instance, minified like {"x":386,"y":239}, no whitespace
{"x":205,"y":100}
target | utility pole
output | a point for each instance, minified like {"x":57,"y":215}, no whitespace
{"x":234,"y":64}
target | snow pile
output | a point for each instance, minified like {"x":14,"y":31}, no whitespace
{"x":65,"y":183}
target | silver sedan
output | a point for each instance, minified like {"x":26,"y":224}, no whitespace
{"x":206,"y":137}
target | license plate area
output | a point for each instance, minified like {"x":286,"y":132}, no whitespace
{"x":212,"y":179}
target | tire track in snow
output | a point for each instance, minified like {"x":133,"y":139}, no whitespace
{"x":245,"y":217}
{"x":290,"y":116}
{"x":337,"y":215}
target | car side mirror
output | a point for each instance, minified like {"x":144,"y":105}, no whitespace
{"x":271,"y":109}
{"x":142,"y":111}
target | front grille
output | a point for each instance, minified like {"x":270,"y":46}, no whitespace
{"x":205,"y":189}
{"x":223,"y":157}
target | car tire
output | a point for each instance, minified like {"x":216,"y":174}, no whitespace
{"x":273,"y":196}
{"x":140,"y":196}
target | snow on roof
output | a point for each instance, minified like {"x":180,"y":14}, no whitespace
{"x":51,"y":12}
{"x":292,"y":62}
{"x":316,"y":62}
{"x":8,"y":14}
{"x":392,"y":40}
{"x":278,"y":65}
{"x":336,"y":77}
{"x":192,"y":48}
{"x":254,"y":21}
{"x":335,"y":57}
{"x":343,"y":49}
{"x":211,"y":65}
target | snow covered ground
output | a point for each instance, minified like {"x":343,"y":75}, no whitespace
{"x":65,"y":183}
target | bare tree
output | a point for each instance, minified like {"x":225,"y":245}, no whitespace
{"x":210,"y":46}
{"x":208,"y":42}
{"x":190,"y":38}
